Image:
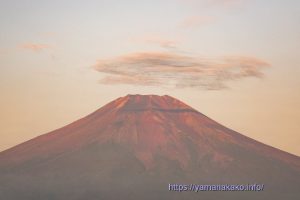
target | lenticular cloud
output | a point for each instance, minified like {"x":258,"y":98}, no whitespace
{"x":176,"y":70}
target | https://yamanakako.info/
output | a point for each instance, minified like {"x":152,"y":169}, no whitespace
{"x":215,"y":187}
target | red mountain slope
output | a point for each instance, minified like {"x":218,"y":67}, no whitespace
{"x":134,"y":146}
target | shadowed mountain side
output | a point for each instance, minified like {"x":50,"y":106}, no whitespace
{"x":133,"y":147}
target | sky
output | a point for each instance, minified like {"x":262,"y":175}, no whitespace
{"x":236,"y":61}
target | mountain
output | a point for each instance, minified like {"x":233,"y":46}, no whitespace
{"x":134,"y":147}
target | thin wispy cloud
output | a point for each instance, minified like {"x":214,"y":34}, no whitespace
{"x":48,"y":34}
{"x":227,"y":3}
{"x":196,"y":21}
{"x":177,"y":70}
{"x":212,"y":4}
{"x":163,"y":42}
{"x":36,"y":47}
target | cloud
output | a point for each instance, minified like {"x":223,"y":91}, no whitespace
{"x":161,"y":41}
{"x":48,"y":34}
{"x":214,"y":4}
{"x":35,"y":46}
{"x":176,"y":70}
{"x":227,"y":3}
{"x":165,"y":43}
{"x":196,"y":21}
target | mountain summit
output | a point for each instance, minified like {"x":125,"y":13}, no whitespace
{"x":134,"y":146}
{"x":148,"y":102}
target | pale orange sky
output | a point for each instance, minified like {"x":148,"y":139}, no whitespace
{"x":50,"y":52}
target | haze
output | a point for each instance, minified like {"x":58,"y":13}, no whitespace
{"x":56,"y":61}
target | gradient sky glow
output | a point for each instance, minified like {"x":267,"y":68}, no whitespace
{"x":50,"y":53}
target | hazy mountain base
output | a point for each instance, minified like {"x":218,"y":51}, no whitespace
{"x":88,"y":174}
